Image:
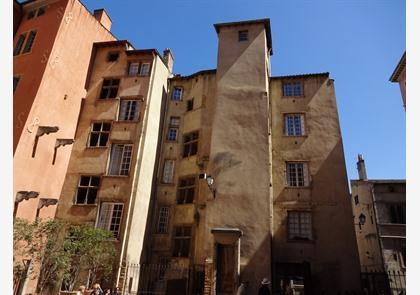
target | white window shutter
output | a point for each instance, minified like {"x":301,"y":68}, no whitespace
{"x":168,"y":171}
{"x":115,"y":162}
{"x":123,"y":110}
{"x":105,"y":215}
{"x":302,"y":122}
{"x":305,"y":174}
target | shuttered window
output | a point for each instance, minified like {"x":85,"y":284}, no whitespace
{"x":120,"y":159}
{"x":129,"y":110}
{"x":168,"y":171}
{"x":297,"y":174}
{"x":110,"y":217}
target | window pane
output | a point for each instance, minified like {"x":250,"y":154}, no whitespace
{"x":103,"y":139}
{"x":19,"y":44}
{"x":81,"y":195}
{"x":94,"y":137}
{"x":144,"y":70}
{"x":94,"y":181}
{"x":113,"y":92}
{"x":84,"y":181}
{"x":29,"y":42}
{"x":133,"y":69}
{"x":91,"y":196}
{"x":116,"y":156}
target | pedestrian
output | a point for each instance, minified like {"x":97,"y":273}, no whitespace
{"x":97,"y":290}
{"x":264,"y":290}
{"x":108,"y":292}
{"x":82,"y":290}
{"x":116,"y":291}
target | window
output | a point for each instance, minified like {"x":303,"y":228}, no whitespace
{"x":120,"y":159}
{"x":29,"y":42}
{"x":299,"y":225}
{"x":163,"y":220}
{"x":173,"y":129}
{"x":190,"y":144}
{"x":292,"y":89}
{"x":15,"y":82}
{"x":243,"y":36}
{"x":87,"y":189}
{"x":190,"y":104}
{"x":177,"y":94}
{"x":113,"y":56}
{"x":397,"y":213}
{"x":294,"y":125}
{"x":99,"y":134}
{"x":144,"y":69}
{"x":163,"y":265}
{"x":186,"y":186}
{"x":356,"y":200}
{"x":37,"y":12}
{"x":168,"y":171}
{"x":19,"y":44}
{"x":297,"y":174}
{"x":129,"y":110}
{"x":182,"y":240}
{"x":109,"y":88}
{"x":133,"y":68}
{"x":110,"y":217}
{"x":25,"y":42}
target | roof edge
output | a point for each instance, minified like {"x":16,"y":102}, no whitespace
{"x":203,"y":72}
{"x":398,"y":69}
{"x":324,"y":74}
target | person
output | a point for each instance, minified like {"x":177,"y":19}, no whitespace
{"x":97,"y":290}
{"x":116,"y":291}
{"x":242,"y":288}
{"x":81,"y":290}
{"x":108,"y":292}
{"x":264,"y":290}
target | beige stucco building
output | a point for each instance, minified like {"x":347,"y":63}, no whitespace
{"x":251,"y":180}
{"x":398,"y":76}
{"x":380,"y":226}
{"x":109,"y":178}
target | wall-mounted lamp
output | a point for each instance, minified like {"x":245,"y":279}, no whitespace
{"x":45,"y":202}
{"x":23,"y":195}
{"x":210,"y":182}
{"x":362,"y":220}
{"x":61,"y":142}
{"x":41,"y":131}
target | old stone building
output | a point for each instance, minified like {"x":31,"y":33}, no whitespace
{"x":251,"y":180}
{"x":379,"y":212}
{"x":51,"y":52}
{"x":52,"y":49}
{"x":109,"y":178}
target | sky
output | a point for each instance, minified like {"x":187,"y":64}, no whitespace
{"x":359,"y":42}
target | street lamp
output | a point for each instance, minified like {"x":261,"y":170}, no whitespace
{"x":45,"y":202}
{"x":362,"y":220}
{"x":210,"y":182}
{"x":23,"y":195}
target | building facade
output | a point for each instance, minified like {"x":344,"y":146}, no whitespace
{"x":52,"y":50}
{"x":251,"y":180}
{"x":398,"y":76}
{"x":380,"y":225}
{"x":109,"y":178}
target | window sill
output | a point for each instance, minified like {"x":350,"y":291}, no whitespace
{"x":294,"y":136}
{"x":113,"y":99}
{"x":85,"y":205}
{"x":297,"y":187}
{"x":116,"y":176}
{"x":293,"y":97}
{"x":127,"y":121}
{"x":96,"y":147}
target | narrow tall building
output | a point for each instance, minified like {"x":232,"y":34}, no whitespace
{"x":251,"y":180}
{"x":109,"y":178}
{"x":52,"y":49}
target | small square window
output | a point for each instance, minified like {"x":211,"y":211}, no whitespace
{"x":144,"y":69}
{"x":243,"y":35}
{"x":87,"y":189}
{"x":113,"y":56}
{"x":133,"y":68}
{"x":294,"y":125}
{"x":299,"y":225}
{"x":292,"y":89}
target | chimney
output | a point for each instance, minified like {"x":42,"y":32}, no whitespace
{"x":361,"y":168}
{"x":168,"y":58}
{"x":103,"y":17}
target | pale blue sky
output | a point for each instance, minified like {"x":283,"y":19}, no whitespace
{"x":358,"y":41}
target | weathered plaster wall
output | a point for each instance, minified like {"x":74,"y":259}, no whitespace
{"x":327,"y":196}
{"x":240,"y":151}
{"x":56,"y":102}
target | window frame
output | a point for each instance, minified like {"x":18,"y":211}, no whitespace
{"x":109,"y":87}
{"x":24,"y":43}
{"x":190,"y":143}
{"x":111,"y":218}
{"x":163,"y":220}
{"x":305,"y":172}
{"x":181,"y":238}
{"x":140,"y":73}
{"x":180,"y":188}
{"x":292,"y":82}
{"x":300,"y":238}
{"x":173,"y":98}
{"x":121,"y":161}
{"x":133,"y":74}
{"x":85,"y":203}
{"x":99,"y":134}
{"x":111,"y":54}
{"x":24,"y":49}
{"x":302,"y":119}
{"x":243,"y":35}
{"x":190,"y":105}
{"x":36,"y":12}
{"x":126,"y":100}
{"x":162,"y":179}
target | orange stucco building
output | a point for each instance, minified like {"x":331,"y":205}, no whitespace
{"x":51,"y":53}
